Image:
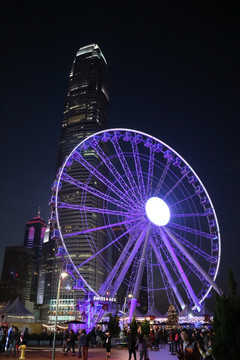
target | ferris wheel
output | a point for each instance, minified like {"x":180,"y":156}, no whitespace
{"x":133,"y":213}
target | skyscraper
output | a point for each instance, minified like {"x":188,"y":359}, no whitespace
{"x":34,"y":235}
{"x":17,"y":273}
{"x":87,"y":104}
{"x":86,"y":112}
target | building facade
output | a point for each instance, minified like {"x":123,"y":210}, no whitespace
{"x":33,"y":239}
{"x":16,"y":279}
{"x":86,"y":112}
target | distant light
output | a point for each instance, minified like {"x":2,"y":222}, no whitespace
{"x":157,"y":211}
{"x":63,"y":275}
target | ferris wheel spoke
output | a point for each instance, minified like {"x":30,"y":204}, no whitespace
{"x":190,"y":230}
{"x":107,"y":246}
{"x":142,"y":263}
{"x":67,"y":178}
{"x":113,"y":169}
{"x":103,"y":179}
{"x":189,"y":215}
{"x":161,"y":181}
{"x":187,"y":198}
{"x":192,"y":260}
{"x":195,"y":248}
{"x":174,"y":186}
{"x":125,"y":165}
{"x":128,"y":262}
{"x":159,"y":257}
{"x":133,"y":276}
{"x":150,"y":285}
{"x":188,"y":263}
{"x":176,"y":271}
{"x":168,"y":288}
{"x":101,"y":227}
{"x":150,"y":170}
{"x":180,"y":269}
{"x":117,"y":266}
{"x":64,"y":205}
{"x":138,"y":167}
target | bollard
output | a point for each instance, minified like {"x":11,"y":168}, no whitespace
{"x":22,"y":348}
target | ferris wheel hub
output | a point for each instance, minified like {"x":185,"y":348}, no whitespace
{"x":157,"y":211}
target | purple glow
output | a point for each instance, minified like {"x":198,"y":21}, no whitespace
{"x":130,"y":168}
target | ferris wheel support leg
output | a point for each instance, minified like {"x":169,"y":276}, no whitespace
{"x":100,"y":315}
{"x":168,"y":275}
{"x":180,"y":269}
{"x":138,"y":282}
{"x":193,"y":261}
{"x":127,"y":264}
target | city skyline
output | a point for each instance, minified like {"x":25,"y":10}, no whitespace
{"x":178,"y":85}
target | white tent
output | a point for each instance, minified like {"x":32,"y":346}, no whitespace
{"x":153,"y":312}
{"x":17,"y":312}
{"x":9,"y":303}
{"x":186,"y":312}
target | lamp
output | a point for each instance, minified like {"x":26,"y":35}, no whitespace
{"x":62,"y":276}
{"x":124,"y":307}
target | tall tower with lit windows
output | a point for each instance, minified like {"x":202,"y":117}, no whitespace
{"x":33,"y":240}
{"x":86,"y":112}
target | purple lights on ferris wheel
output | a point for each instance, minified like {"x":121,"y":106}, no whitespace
{"x":136,"y":179}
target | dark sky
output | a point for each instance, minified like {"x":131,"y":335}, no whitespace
{"x":174,"y":73}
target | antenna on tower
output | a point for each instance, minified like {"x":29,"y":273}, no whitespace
{"x":39,"y":212}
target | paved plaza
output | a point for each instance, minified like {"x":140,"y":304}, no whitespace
{"x":38,"y":353}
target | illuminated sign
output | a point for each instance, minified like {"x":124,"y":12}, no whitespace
{"x":103,"y":298}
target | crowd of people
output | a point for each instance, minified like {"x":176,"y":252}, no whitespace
{"x":185,"y":344}
{"x":195,"y":344}
{"x":11,"y":338}
{"x":191,"y":344}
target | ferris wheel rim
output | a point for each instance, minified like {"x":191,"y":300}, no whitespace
{"x":168,"y":147}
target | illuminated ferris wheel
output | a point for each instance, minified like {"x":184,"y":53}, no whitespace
{"x":155,"y":232}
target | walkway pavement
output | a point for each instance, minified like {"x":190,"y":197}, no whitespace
{"x":41,"y":353}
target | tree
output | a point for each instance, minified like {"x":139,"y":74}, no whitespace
{"x":172,"y":316}
{"x":226,"y":324}
{"x":145,"y":327}
{"x":134,"y":325}
{"x":113,"y":325}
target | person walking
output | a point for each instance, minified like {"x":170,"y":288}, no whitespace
{"x":12,"y":342}
{"x":24,"y":337}
{"x":84,"y":344}
{"x":108,"y":345}
{"x":142,"y":347}
{"x":188,"y":348}
{"x":3,"y":337}
{"x":131,"y":345}
{"x":71,"y":342}
{"x":208,"y":352}
{"x":79,"y":344}
{"x":65,"y":338}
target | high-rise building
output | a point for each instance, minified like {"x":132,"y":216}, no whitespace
{"x":17,"y":272}
{"x":34,"y":235}
{"x":86,"y":112}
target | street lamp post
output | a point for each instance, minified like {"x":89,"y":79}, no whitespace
{"x":124,"y":307}
{"x":62,"y":275}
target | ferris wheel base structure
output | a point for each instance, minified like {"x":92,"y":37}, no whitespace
{"x":142,"y":219}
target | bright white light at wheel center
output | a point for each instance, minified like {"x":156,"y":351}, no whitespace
{"x":157,"y":211}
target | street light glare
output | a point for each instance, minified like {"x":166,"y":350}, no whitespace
{"x":64,"y":274}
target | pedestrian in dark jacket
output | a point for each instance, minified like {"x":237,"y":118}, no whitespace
{"x":107,"y":344}
{"x":132,"y":345}
{"x":71,"y":342}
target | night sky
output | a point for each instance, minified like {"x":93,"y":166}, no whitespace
{"x":174,"y":74}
